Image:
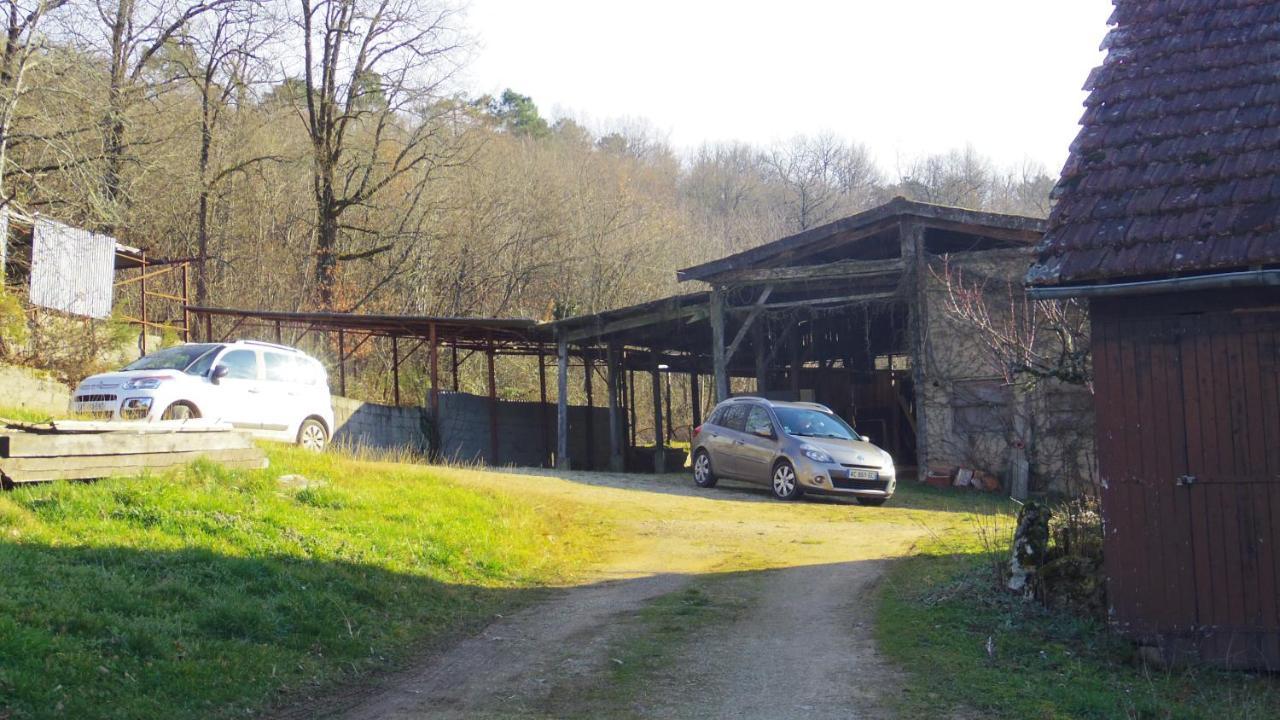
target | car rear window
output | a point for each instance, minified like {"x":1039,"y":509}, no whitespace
{"x":281,"y":367}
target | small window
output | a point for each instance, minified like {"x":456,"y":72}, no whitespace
{"x":717,"y":416}
{"x":735,"y":417}
{"x":241,"y":364}
{"x":281,"y":368}
{"x":982,"y":406}
{"x":201,"y":367}
{"x":758,"y":422}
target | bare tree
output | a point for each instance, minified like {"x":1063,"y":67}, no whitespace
{"x":219,"y":57}
{"x":372,"y":72}
{"x":823,"y":178}
{"x":136,"y":31}
{"x":1027,"y":340}
{"x":23,"y":41}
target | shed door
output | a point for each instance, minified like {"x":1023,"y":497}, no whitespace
{"x":1189,"y":449}
{"x":1231,"y":386}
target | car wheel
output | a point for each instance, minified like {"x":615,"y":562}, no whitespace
{"x":785,"y":484}
{"x":312,"y":435}
{"x":873,"y":502}
{"x":703,"y":475}
{"x":179,"y":411}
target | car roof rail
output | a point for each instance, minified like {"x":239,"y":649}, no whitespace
{"x":277,"y":346}
{"x":745,"y":397}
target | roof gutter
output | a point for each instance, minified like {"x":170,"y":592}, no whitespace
{"x":1242,"y":279}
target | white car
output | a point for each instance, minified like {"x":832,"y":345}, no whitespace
{"x":272,"y":391}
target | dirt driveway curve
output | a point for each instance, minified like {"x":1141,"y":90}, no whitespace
{"x":795,"y":641}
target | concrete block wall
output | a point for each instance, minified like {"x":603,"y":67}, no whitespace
{"x":465,"y":433}
{"x":523,"y":428}
{"x":379,"y":426}
{"x":30,"y":390}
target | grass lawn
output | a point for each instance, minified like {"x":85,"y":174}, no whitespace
{"x":938,"y":608}
{"x":209,"y":593}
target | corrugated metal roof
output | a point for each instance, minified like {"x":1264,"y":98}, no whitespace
{"x":1176,"y":169}
{"x":72,"y":270}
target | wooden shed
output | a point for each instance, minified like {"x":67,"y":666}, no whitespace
{"x":1168,"y":221}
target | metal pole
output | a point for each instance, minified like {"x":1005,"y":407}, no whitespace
{"x":434,"y":358}
{"x":395,"y":369}
{"x":589,"y":425}
{"x":186,"y":302}
{"x":454,"y":345}
{"x":659,"y":448}
{"x":142,"y":291}
{"x":342,"y":364}
{"x":542,"y":405}
{"x":493,"y":403}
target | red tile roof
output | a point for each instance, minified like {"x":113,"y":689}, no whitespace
{"x":1176,"y":169}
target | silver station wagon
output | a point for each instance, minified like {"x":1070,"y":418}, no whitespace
{"x":793,"y":447}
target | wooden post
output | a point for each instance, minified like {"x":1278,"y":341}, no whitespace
{"x":758,"y":339}
{"x":695,"y":403}
{"x":797,"y":363}
{"x":342,"y":364}
{"x":613,"y":379}
{"x":454,"y":345}
{"x":667,"y":402}
{"x":562,"y":405}
{"x":911,"y":236}
{"x":395,"y":370}
{"x":719,"y":371}
{"x":588,"y":426}
{"x":493,"y":403}
{"x":542,"y":406}
{"x":631,"y":403}
{"x":659,"y":443}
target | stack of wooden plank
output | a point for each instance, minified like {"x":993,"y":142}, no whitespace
{"x":81,"y":450}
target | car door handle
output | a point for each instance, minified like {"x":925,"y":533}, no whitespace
{"x":255,"y":391}
{"x":738,"y":442}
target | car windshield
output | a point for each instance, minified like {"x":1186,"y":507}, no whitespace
{"x":804,"y":422}
{"x":179,"y":357}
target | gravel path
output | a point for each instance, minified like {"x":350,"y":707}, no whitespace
{"x":799,"y":647}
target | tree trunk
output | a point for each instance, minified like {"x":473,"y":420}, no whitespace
{"x":326,"y":275}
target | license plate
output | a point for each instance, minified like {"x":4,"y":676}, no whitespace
{"x":856,"y":474}
{"x":95,"y":408}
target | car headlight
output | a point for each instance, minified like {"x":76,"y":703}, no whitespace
{"x":887,"y":460}
{"x":143,"y":383}
{"x":815,"y":454}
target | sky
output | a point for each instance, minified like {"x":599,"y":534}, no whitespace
{"x":905,"y":77}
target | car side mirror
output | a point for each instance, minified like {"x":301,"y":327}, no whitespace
{"x":864,"y":438}
{"x":219,"y":372}
{"x":764,"y":432}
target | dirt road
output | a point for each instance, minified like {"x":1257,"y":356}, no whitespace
{"x":707,"y":604}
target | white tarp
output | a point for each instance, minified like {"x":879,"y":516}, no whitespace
{"x":72,"y":270}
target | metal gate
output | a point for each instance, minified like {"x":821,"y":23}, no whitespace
{"x":1188,"y":403}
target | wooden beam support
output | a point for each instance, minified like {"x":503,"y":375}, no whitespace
{"x":689,"y":313}
{"x":695,"y":403}
{"x":342,"y":363}
{"x":612,"y":380}
{"x":842,"y":269}
{"x":718,"y":359}
{"x":912,"y":235}
{"x":758,"y":339}
{"x":562,"y":405}
{"x":753,"y":312}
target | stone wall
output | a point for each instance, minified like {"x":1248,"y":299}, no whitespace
{"x":972,"y":417}
{"x":31,"y":390}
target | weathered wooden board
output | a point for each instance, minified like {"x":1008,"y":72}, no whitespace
{"x":25,"y":444}
{"x":86,"y":467}
{"x":120,"y":426}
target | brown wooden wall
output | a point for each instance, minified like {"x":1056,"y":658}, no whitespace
{"x":1188,"y":422}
